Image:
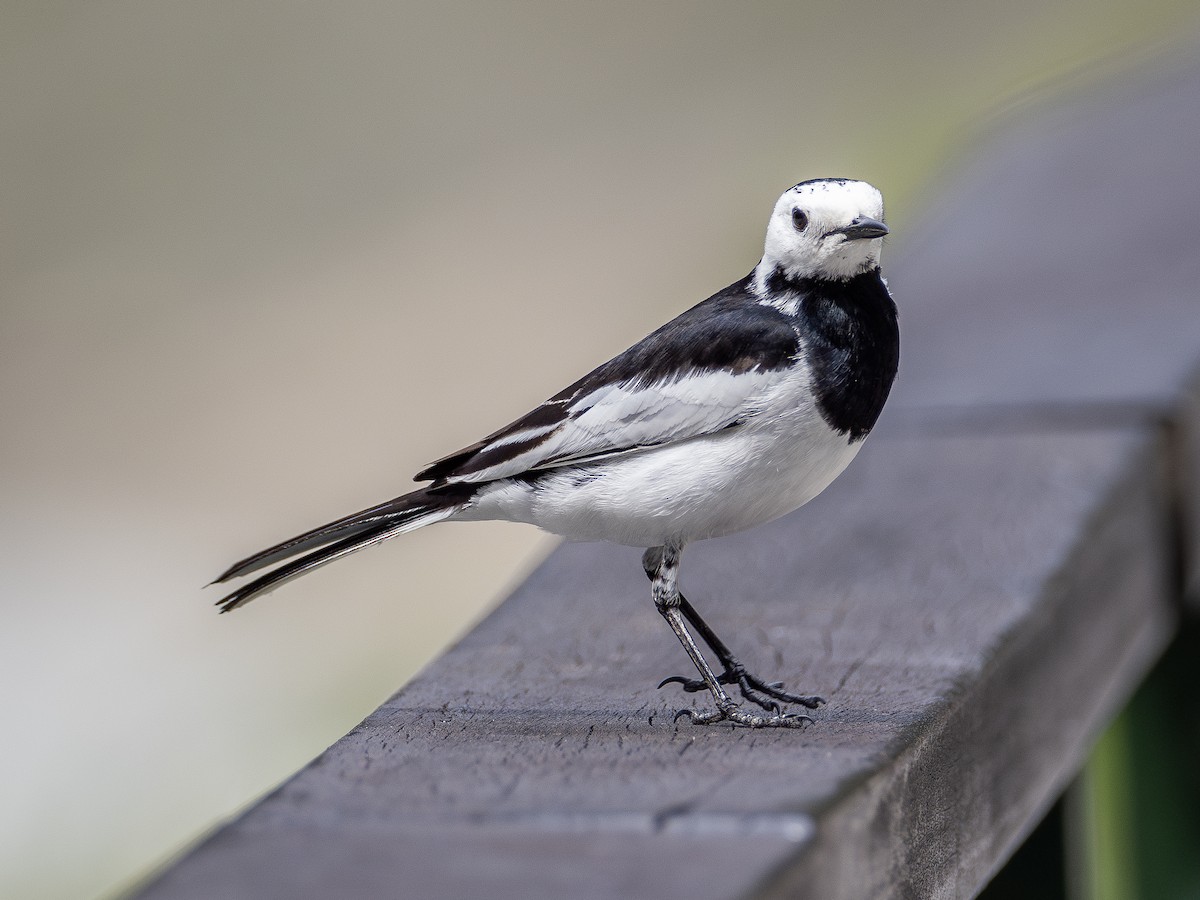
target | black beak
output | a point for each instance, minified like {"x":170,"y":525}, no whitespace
{"x":862,"y":228}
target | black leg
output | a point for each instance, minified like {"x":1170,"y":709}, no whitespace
{"x":662,"y":567}
{"x":750,"y":685}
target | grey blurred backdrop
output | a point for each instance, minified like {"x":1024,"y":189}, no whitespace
{"x":260,"y":261}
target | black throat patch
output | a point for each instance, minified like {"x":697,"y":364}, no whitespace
{"x":853,"y":341}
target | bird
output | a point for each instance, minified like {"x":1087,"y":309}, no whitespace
{"x":738,"y":411}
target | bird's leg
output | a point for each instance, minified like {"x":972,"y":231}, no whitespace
{"x":735,"y":673}
{"x":663,"y":563}
{"x":662,"y":566}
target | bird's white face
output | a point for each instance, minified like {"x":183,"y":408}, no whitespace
{"x":829,"y":229}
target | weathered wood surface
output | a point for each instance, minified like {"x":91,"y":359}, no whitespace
{"x":969,"y":641}
{"x":975,"y":598}
{"x":1056,"y":279}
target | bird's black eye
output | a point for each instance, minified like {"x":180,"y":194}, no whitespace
{"x":799,"y":219}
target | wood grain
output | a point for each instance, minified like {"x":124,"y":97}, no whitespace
{"x":973,"y":608}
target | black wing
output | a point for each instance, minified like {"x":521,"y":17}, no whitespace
{"x":701,"y":372}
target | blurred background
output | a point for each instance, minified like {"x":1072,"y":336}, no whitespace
{"x":261,"y":261}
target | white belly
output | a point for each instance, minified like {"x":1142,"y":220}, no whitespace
{"x":699,"y":488}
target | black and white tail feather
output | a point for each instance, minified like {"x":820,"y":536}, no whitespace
{"x":323,"y":545}
{"x":737,"y":411}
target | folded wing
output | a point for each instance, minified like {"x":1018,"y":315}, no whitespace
{"x":700,"y":373}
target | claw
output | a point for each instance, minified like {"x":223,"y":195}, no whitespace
{"x":749,"y":683}
{"x":750,"y":686}
{"x":734,"y":715}
{"x":769,"y":705}
{"x":691,"y":685}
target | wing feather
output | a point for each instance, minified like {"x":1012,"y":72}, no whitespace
{"x":702,"y":372}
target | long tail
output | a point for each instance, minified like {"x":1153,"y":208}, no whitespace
{"x":323,"y":545}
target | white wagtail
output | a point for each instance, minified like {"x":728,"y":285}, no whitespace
{"x":741,"y":409}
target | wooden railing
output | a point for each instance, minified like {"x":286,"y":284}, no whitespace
{"x":976,"y":598}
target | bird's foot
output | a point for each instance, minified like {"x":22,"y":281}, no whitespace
{"x":751,"y":687}
{"x":732,"y":713}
